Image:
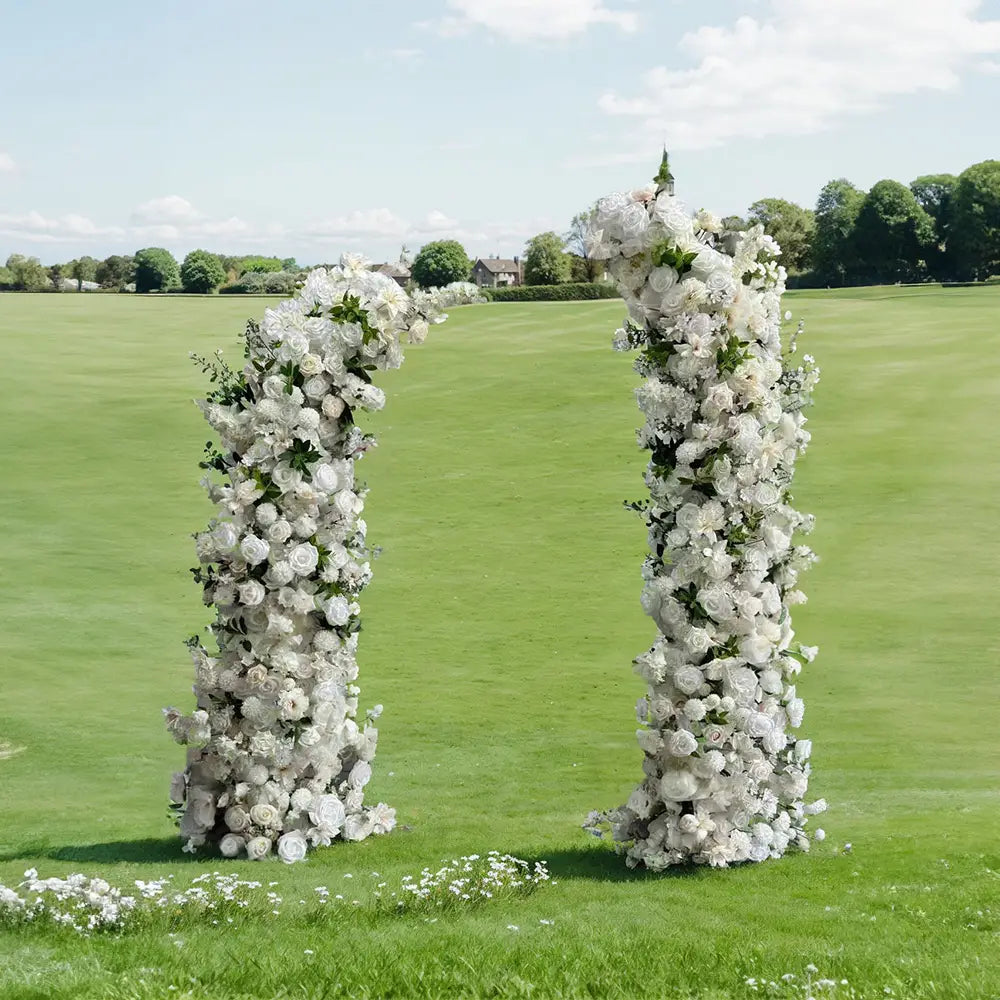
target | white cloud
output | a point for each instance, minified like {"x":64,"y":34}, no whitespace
{"x":33,"y":227}
{"x":168,"y":210}
{"x":803,"y":67}
{"x":530,"y":20}
{"x":374,"y":222}
{"x":400,"y":57}
{"x":7,"y":164}
{"x":991,"y":67}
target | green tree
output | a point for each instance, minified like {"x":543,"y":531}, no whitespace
{"x":545,"y":260}
{"x":289,"y":264}
{"x":155,"y":270}
{"x":974,"y":229}
{"x":6,"y":279}
{"x":260,"y":265}
{"x":440,"y":263}
{"x":115,"y":272}
{"x":83,"y":269}
{"x":735,"y":223}
{"x":836,"y":213}
{"x":934,"y":193}
{"x":893,"y":235}
{"x":55,"y":275}
{"x":791,"y":225}
{"x":202,"y":272}
{"x":575,"y":239}
{"x":28,"y":273}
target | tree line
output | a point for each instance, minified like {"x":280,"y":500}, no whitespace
{"x":153,"y":269}
{"x":941,"y":227}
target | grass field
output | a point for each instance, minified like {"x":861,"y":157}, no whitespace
{"x":499,"y":634}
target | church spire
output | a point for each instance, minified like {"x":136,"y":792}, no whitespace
{"x":665,"y":179}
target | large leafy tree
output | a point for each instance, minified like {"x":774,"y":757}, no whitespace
{"x":546,"y":261}
{"x":440,"y":263}
{"x":115,"y":272}
{"x":155,"y":270}
{"x":934,"y":193}
{"x":791,"y":225}
{"x":261,"y":265}
{"x":575,"y":240}
{"x":974,"y":228}
{"x":837,"y":211}
{"x":28,"y":273}
{"x":83,"y":269}
{"x":893,"y":235}
{"x":202,"y":272}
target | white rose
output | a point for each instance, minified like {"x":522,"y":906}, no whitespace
{"x":292,"y":847}
{"x":382,"y":818}
{"x":360,"y":774}
{"x":258,"y":848}
{"x":357,"y":827}
{"x":327,"y":814}
{"x":344,"y":502}
{"x":337,"y":610}
{"x":682,"y":743}
{"x":231,"y":845}
{"x":756,"y":649}
{"x":226,"y":537}
{"x":285,"y":477}
{"x":251,"y":593}
{"x":689,"y":679}
{"x":303,"y":558}
{"x":310,"y":365}
{"x":325,"y":478}
{"x":279,"y":532}
{"x":264,"y":814}
{"x":333,"y":407}
{"x":678,"y":786}
{"x":255,"y":550}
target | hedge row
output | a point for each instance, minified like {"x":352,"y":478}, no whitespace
{"x":263,"y":283}
{"x":553,"y":293}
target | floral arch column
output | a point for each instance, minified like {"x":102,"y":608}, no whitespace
{"x":277,"y":758}
{"x":724,"y":775}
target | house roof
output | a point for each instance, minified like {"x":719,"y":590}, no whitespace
{"x":392,"y":270}
{"x":498,"y":265}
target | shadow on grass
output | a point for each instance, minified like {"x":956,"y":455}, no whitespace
{"x":601,"y":864}
{"x":151,"y":850}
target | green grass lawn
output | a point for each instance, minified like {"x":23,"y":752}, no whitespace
{"x":499,"y":635}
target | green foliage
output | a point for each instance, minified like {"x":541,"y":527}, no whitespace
{"x":893,"y":235}
{"x":668,"y":255}
{"x":6,"y":279}
{"x":545,"y":260}
{"x":440,"y":263}
{"x":582,"y":268}
{"x":262,"y":265}
{"x":836,"y":213}
{"x":566,"y":292}
{"x":27,"y":273}
{"x":974,"y":232}
{"x":202,"y":272}
{"x":155,"y":270}
{"x":734,"y":223}
{"x":83,"y":269}
{"x":263,"y":283}
{"x":791,"y":225}
{"x":115,"y":272}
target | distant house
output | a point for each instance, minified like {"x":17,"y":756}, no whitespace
{"x":497,"y":272}
{"x":399,"y":272}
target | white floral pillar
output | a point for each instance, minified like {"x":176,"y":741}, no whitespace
{"x":277,"y":758}
{"x":724,"y":775}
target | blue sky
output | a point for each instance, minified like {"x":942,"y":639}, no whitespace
{"x":336,"y":125}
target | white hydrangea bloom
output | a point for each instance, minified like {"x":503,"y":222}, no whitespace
{"x":725,"y":774}
{"x":276,"y":761}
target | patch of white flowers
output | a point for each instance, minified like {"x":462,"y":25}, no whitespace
{"x":724,"y":774}
{"x":471,"y":878}
{"x":88,"y":905}
{"x":277,"y":761}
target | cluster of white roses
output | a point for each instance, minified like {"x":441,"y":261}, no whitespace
{"x":277,"y":759}
{"x":724,"y":776}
